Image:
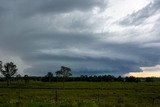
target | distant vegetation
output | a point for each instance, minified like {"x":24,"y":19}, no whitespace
{"x":85,"y":78}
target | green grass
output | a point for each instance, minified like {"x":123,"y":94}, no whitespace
{"x":80,"y":94}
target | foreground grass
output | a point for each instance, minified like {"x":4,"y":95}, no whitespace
{"x":80,"y":94}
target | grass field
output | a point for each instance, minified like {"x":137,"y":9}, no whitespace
{"x":80,"y":94}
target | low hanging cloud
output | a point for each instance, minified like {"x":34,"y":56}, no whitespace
{"x":83,"y":35}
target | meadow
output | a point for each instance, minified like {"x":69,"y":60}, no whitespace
{"x":80,"y":94}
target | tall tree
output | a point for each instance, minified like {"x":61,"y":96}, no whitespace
{"x":19,"y":78}
{"x":49,"y":76}
{"x":1,"y":66}
{"x":8,"y":70}
{"x":64,"y":72}
{"x":26,"y":79}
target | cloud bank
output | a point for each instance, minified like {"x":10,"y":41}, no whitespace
{"x":93,"y":37}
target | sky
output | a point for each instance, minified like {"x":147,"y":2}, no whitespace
{"x":92,"y":37}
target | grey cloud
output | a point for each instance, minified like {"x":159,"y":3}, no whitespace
{"x":35,"y":41}
{"x":151,"y":68}
{"x":45,"y":46}
{"x":1,"y":10}
{"x":88,"y":66}
{"x":69,"y":5}
{"x":27,"y":8}
{"x":28,"y":48}
{"x":103,"y":65}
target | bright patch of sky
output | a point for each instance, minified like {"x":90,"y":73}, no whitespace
{"x":120,"y":8}
{"x":153,"y":71}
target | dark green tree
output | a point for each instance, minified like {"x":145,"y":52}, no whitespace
{"x":150,"y":79}
{"x":8,"y":70}
{"x":64,"y":72}
{"x":18,"y":78}
{"x":49,"y":76}
{"x":26,"y":79}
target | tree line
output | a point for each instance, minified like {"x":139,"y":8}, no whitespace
{"x":9,"y":71}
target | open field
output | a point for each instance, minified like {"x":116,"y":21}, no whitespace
{"x":80,"y":94}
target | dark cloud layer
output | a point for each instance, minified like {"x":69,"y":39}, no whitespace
{"x":48,"y":34}
{"x":27,"y":8}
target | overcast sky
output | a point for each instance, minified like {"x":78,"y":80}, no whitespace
{"x":93,"y":37}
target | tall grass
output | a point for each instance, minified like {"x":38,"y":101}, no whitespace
{"x":80,"y":94}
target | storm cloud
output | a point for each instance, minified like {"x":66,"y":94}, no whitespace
{"x":40,"y":36}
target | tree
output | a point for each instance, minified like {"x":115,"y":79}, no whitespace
{"x":131,"y":79}
{"x":26,"y":79}
{"x":120,"y":79}
{"x":8,"y":70}
{"x":19,"y":78}
{"x":0,"y":65}
{"x":150,"y":79}
{"x":64,"y":72}
{"x":49,"y":76}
